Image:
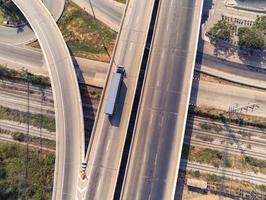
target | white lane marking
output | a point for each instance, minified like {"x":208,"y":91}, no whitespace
{"x":156,"y":157}
{"x":108,"y":145}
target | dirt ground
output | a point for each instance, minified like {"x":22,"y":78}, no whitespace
{"x":188,"y":195}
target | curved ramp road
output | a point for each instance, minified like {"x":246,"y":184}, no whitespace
{"x":69,"y":115}
{"x":24,"y":34}
{"x":158,"y":137}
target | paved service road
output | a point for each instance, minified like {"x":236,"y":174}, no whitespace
{"x":69,"y":115}
{"x":108,"y":137}
{"x":104,"y":10}
{"x":205,"y":94}
{"x":94,"y":72}
{"x":16,"y":57}
{"x":158,"y":138}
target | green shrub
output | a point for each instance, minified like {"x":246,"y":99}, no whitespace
{"x":23,"y":75}
{"x":221,"y":30}
{"x":206,"y":126}
{"x":40,"y":173}
{"x":255,"y":162}
{"x":18,"y":136}
{"x":37,"y":120}
{"x":262,"y":188}
{"x":196,"y":174}
{"x":250,"y":38}
{"x":214,"y":178}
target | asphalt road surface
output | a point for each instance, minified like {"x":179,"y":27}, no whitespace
{"x":108,"y":137}
{"x":67,"y":101}
{"x":17,"y":57}
{"x":216,"y":95}
{"x":107,"y":11}
{"x":158,"y":138}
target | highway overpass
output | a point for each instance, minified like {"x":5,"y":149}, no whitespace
{"x":154,"y":159}
{"x":109,"y":134}
{"x":67,"y":101}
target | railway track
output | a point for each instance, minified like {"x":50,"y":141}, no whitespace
{"x":233,"y":127}
{"x":233,"y":174}
{"x":231,"y":150}
{"x":7,"y":138}
{"x":14,"y":95}
{"x":22,"y":128}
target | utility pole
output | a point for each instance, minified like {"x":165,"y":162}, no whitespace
{"x":101,"y":38}
{"x":42,"y":89}
{"x":235,"y":109}
{"x":26,"y":151}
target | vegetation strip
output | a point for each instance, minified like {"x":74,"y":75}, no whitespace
{"x":23,"y":75}
{"x":222,"y":116}
{"x":231,"y":184}
{"x":220,"y":159}
{"x":40,"y":173}
{"x":37,"y":120}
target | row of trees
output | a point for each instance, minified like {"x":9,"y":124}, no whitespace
{"x":253,"y":37}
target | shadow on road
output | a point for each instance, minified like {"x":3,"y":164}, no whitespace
{"x":193,"y":102}
{"x":87,"y":103}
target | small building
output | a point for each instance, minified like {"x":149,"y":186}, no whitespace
{"x":197,"y":183}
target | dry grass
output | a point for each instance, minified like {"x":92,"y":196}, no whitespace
{"x":216,"y":159}
{"x":85,"y":36}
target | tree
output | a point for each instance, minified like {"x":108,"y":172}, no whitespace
{"x":197,"y":173}
{"x":222,"y":30}
{"x":260,"y":24}
{"x":250,"y":38}
{"x":254,"y":37}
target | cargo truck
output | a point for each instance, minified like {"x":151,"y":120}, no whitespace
{"x":114,"y":90}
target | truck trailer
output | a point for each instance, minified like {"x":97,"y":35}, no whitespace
{"x":114,"y":90}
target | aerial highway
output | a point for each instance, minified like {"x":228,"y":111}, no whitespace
{"x":153,"y":164}
{"x":109,"y":134}
{"x":68,"y":110}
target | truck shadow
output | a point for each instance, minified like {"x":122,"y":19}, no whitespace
{"x":87,"y":98}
